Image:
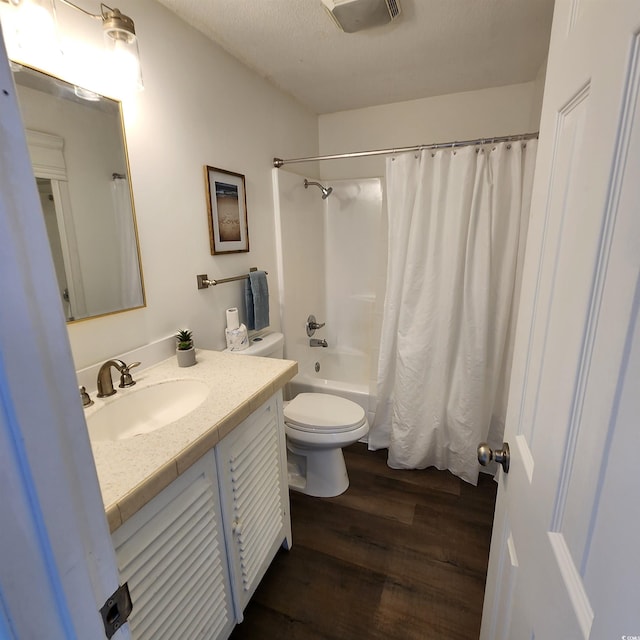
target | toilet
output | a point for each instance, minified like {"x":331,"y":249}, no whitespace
{"x":317,"y":426}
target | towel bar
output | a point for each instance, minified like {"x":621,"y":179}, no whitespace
{"x":205,"y":283}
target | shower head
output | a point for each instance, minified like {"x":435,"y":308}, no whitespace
{"x":326,"y":191}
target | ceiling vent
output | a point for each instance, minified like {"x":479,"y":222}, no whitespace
{"x":356,"y":15}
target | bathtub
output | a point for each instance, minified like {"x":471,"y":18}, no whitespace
{"x":344,"y":374}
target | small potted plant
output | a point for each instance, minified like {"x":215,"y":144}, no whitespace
{"x":185,"y":352}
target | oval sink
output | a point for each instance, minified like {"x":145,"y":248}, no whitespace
{"x":133,"y":412}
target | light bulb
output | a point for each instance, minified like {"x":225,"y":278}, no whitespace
{"x":124,"y":66}
{"x":122,"y":44}
{"x":34,"y":31}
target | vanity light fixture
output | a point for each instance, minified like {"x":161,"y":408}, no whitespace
{"x":29,"y":29}
{"x":119,"y":37}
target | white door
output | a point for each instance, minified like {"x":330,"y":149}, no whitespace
{"x":564,"y":560}
{"x":57,"y":564}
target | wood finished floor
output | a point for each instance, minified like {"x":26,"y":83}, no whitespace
{"x":401,"y":554}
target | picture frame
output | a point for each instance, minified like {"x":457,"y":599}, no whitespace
{"x":226,"y":211}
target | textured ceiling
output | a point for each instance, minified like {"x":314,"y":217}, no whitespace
{"x":435,"y":47}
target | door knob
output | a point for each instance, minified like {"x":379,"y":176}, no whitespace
{"x":501,"y":456}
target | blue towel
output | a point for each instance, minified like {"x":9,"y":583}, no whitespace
{"x":256,"y":296}
{"x":248,"y":303}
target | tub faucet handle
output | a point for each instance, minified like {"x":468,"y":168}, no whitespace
{"x":311,"y":325}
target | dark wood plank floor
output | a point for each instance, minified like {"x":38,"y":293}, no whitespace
{"x":401,"y":554}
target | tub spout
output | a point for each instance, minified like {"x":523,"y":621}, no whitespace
{"x":314,"y":342}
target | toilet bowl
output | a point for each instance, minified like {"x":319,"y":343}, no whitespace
{"x":317,"y":426}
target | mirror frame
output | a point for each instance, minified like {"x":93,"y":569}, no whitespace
{"x":17,"y":68}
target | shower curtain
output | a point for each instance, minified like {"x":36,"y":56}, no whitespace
{"x":130,"y":293}
{"x":457,"y":228}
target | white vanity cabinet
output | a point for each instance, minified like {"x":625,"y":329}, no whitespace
{"x":195,"y":553}
{"x":252,"y":472}
{"x":172,"y":554}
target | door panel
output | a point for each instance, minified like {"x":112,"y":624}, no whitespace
{"x":57,"y":565}
{"x":575,"y":332}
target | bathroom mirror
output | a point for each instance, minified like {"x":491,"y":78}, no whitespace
{"x":78,"y":153}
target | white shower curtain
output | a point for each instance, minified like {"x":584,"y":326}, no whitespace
{"x":130,"y":291}
{"x":457,"y":228}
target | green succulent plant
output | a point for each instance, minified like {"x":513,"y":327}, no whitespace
{"x":185,"y":339}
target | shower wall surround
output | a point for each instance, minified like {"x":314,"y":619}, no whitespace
{"x":331,"y":266}
{"x":301,"y":257}
{"x":329,"y":261}
{"x":352,"y":218}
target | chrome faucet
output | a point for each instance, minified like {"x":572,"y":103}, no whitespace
{"x":314,"y":342}
{"x":105,"y":382}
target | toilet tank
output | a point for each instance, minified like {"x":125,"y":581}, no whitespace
{"x":268,"y":345}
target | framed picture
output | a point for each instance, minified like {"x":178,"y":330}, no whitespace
{"x":227,"y":209}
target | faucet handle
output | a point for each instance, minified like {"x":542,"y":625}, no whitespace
{"x":312,"y":325}
{"x":86,"y":398}
{"x":125,"y":375}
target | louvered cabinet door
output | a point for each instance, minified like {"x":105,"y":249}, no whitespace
{"x":173,"y":556}
{"x":255,"y":497}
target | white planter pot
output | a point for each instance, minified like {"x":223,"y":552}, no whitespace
{"x":186,"y":357}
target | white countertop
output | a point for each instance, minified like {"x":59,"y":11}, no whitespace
{"x":132,"y":471}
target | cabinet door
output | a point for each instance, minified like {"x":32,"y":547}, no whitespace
{"x":255,"y":497}
{"x":172,"y":554}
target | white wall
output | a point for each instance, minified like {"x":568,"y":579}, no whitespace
{"x":199,"y":106}
{"x":460,"y":116}
{"x":538,"y":94}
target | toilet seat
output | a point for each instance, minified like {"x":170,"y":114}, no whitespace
{"x":323,"y":413}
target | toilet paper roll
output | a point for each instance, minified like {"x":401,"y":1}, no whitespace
{"x":237,"y":339}
{"x":233,"y":321}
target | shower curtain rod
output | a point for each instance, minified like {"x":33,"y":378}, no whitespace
{"x":279,"y":162}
